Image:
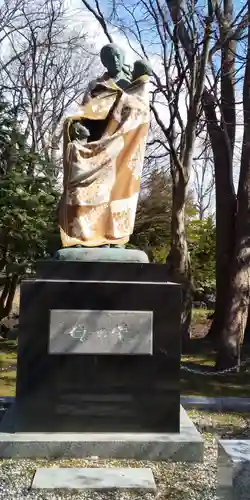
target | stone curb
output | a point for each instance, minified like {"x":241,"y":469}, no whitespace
{"x":216,"y":404}
{"x":7,"y":400}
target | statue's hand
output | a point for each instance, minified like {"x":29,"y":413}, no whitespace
{"x":80,"y":132}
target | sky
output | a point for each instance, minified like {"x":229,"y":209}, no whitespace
{"x":81,"y":17}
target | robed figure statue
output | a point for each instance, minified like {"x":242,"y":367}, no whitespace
{"x":103,"y":155}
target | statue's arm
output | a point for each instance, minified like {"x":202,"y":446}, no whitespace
{"x":77,"y":131}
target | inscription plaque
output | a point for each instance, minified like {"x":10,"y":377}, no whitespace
{"x":101,"y":332}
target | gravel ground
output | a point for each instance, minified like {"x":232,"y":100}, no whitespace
{"x":174,"y":481}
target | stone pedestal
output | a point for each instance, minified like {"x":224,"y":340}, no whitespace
{"x":99,"y":365}
{"x":98,"y":355}
{"x":233,"y":469}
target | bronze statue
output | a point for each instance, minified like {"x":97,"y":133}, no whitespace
{"x":141,"y":68}
{"x":104,"y":146}
{"x":112,"y":58}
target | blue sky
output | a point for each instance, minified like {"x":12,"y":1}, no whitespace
{"x":149,"y":37}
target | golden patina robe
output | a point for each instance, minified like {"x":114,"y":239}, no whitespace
{"x":102,"y":178}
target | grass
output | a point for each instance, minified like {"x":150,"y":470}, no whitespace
{"x":227,"y":425}
{"x":202,"y":359}
{"x":199,"y":360}
{"x":234,"y":384}
{"x":8,"y":384}
{"x":200,"y":315}
{"x":8,"y":358}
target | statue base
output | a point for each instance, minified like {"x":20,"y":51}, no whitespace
{"x":103,"y":254}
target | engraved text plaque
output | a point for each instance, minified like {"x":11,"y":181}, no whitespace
{"x":101,"y":332}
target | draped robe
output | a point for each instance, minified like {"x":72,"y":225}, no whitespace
{"x":102,"y":176}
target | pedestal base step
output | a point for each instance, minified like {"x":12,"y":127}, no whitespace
{"x":95,"y":479}
{"x":184,"y":446}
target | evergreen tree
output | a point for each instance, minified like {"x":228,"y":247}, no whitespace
{"x":27,"y":206}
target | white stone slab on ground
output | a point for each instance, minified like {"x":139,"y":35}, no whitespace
{"x":95,"y":479}
{"x":233,"y":469}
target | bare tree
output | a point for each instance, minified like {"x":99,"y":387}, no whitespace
{"x":150,"y":31}
{"x":220,"y":108}
{"x":47,"y":71}
{"x":10,"y":21}
{"x":237,"y":303}
{"x":157,"y":154}
{"x":203,"y":178}
{"x":232,"y":214}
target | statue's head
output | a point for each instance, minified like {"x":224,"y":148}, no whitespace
{"x":141,"y":68}
{"x":112,"y":58}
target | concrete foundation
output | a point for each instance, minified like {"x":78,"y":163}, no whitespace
{"x":185,"y":446}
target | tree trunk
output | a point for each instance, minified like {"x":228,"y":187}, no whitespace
{"x":226,"y":204}
{"x":225,"y":235}
{"x":237,"y":306}
{"x":247,"y":331}
{"x":222,"y":137}
{"x":178,"y":260}
{"x":7,"y":296}
{"x":238,"y":296}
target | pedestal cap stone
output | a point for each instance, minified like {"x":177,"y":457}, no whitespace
{"x":101,"y":255}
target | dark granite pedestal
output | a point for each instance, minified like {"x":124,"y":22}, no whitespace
{"x":99,"y":365}
{"x":98,"y":356}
